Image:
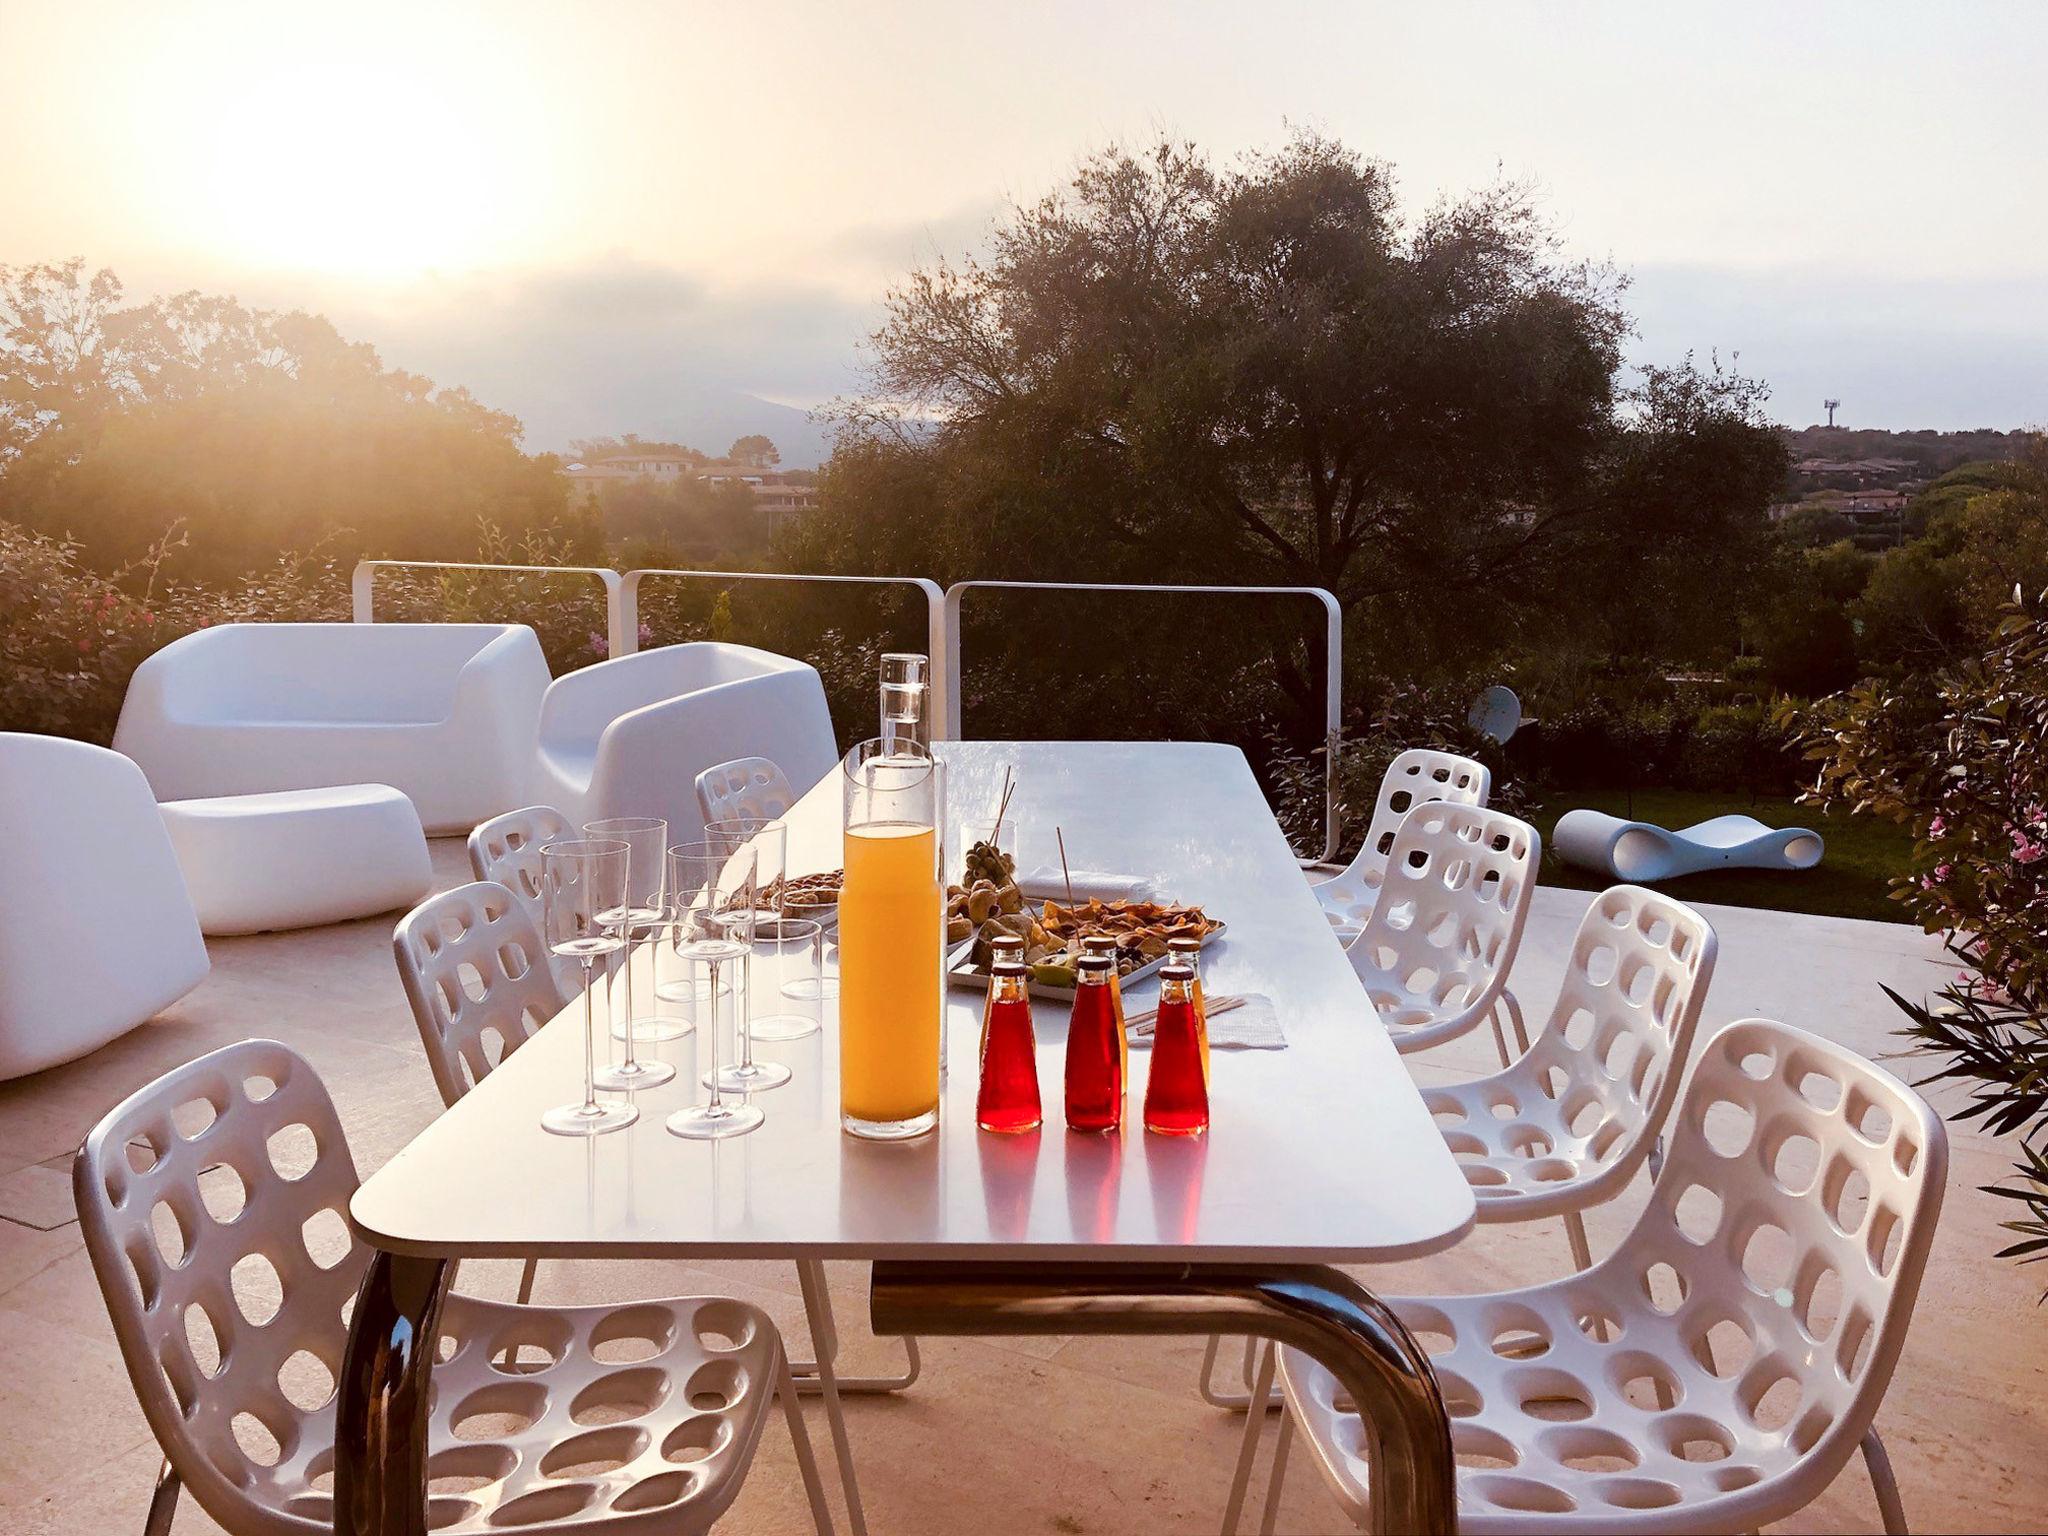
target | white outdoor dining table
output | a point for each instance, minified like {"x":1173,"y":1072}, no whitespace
{"x":1318,"y":1154}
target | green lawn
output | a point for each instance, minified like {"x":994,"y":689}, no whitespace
{"x":1851,"y":881}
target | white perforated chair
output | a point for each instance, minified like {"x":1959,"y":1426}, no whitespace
{"x":1717,"y":1371}
{"x":1435,"y":954}
{"x":469,"y":960}
{"x":746,"y":786}
{"x":1419,"y":774}
{"x":212,"y":1203}
{"x":474,"y":968}
{"x":507,"y":849}
{"x":1568,"y":1124}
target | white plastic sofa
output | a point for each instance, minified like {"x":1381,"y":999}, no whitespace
{"x":1641,"y":852}
{"x":97,"y":931}
{"x":443,"y":713}
{"x":628,"y":737}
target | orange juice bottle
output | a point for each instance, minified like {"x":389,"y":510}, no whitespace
{"x":891,"y":938}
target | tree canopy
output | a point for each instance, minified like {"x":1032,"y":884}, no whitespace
{"x":260,"y":431}
{"x":1269,"y":372}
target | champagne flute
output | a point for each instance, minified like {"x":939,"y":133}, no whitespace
{"x":646,"y":838}
{"x":582,"y":879}
{"x":701,"y":907}
{"x":751,"y":848}
{"x":767,"y":1018}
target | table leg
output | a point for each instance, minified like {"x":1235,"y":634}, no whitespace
{"x":380,"y":1426}
{"x":1309,"y":1307}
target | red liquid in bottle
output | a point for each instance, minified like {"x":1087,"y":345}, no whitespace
{"x":1095,"y":1055}
{"x":1177,"y":1092}
{"x":1008,"y":1100}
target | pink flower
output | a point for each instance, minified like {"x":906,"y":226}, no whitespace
{"x":1937,"y":828}
{"x":597,"y":644}
{"x":2026,"y":851}
{"x":1929,"y":882}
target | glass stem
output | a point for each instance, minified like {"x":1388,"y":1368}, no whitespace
{"x":717,"y":1104}
{"x":626,"y":953}
{"x":590,"y":1105}
{"x":742,"y":1002}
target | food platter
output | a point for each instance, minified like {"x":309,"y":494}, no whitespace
{"x":962,"y":969}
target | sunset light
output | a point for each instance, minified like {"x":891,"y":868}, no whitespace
{"x":933,"y":766}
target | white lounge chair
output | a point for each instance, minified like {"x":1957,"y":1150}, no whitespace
{"x":1641,"y":852}
{"x":97,"y":931}
{"x":628,"y":737}
{"x":444,"y":713}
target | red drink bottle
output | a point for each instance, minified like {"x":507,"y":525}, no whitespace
{"x":1095,"y":1051}
{"x":1008,"y":1100}
{"x":1177,"y":1092}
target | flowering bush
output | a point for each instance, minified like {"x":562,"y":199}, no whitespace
{"x":1962,"y":759}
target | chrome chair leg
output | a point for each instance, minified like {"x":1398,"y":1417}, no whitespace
{"x":1216,"y":1397}
{"x":163,"y":1503}
{"x":825,"y":1340}
{"x":1514,"y":1007}
{"x":800,"y":1441}
{"x":1248,"y":1448}
{"x":1276,"y":1480}
{"x":1575,"y":1230}
{"x":1880,"y":1464}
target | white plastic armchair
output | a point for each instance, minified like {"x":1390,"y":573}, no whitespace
{"x":443,"y":712}
{"x":628,"y":737}
{"x":213,"y":1207}
{"x":1417,"y":775}
{"x":1719,"y":1369}
{"x":82,"y":845}
{"x":1434,"y":955}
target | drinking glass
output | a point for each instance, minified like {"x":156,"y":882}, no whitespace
{"x":582,"y":879}
{"x":786,"y":969}
{"x":891,"y":932}
{"x":769,"y":838}
{"x":636,"y":918}
{"x":821,"y":909}
{"x":703,"y":910}
{"x":746,"y":855}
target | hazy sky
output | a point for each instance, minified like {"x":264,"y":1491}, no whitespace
{"x":594,"y":214}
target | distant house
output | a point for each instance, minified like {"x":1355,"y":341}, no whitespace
{"x":778,"y":494}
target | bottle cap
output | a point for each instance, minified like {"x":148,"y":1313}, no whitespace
{"x":1099,"y":944}
{"x":1183,"y":945}
{"x":1173,"y":970}
{"x":1004,"y":943}
{"x":1005,"y":966}
{"x":1093,"y":967}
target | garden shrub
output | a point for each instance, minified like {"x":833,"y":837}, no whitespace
{"x":1962,"y":759}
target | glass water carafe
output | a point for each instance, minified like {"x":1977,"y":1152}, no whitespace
{"x":891,"y":938}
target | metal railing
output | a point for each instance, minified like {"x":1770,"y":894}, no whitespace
{"x":1333,"y":663}
{"x":621,"y":638}
{"x":944,"y":717}
{"x":942,"y":630}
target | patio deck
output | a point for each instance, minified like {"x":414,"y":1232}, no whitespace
{"x":1025,"y":1435}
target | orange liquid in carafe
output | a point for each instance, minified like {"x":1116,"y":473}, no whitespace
{"x":890,"y":1003}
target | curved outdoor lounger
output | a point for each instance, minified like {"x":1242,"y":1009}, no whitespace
{"x":1641,"y":852}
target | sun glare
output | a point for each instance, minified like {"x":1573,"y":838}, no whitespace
{"x":369,"y":158}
